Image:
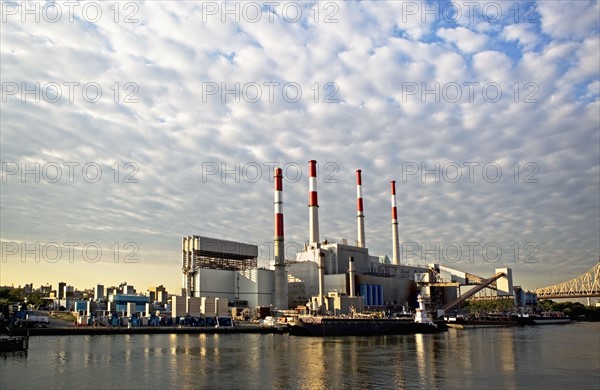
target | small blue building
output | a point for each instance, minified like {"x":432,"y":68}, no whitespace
{"x":121,"y":300}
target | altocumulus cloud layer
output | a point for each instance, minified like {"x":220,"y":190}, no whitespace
{"x":147,"y":121}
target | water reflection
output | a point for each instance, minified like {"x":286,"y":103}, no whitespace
{"x":492,"y":358}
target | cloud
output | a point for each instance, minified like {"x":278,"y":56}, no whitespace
{"x":569,"y":20}
{"x":465,"y":40}
{"x":521,"y":33}
{"x":204,"y":108}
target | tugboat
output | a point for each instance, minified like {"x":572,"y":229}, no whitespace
{"x":365,"y":326}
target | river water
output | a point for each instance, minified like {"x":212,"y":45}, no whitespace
{"x":544,"y":357}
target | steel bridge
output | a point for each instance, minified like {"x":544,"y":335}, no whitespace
{"x":583,"y":286}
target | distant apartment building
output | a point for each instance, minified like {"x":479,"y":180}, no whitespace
{"x":157,"y":294}
{"x":61,"y":290}
{"x":28,"y":289}
{"x":127,"y":289}
{"x":45,"y":290}
{"x":111,"y":291}
{"x":85,"y":294}
{"x":99,"y":292}
{"x":68,"y":298}
{"x":68,"y":292}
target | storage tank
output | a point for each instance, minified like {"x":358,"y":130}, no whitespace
{"x":363,"y":292}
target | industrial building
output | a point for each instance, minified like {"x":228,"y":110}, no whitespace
{"x":225,"y":269}
{"x":128,"y":303}
{"x":330,"y":276}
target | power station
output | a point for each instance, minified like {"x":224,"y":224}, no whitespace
{"x":324,"y":276}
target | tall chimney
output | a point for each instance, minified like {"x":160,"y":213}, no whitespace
{"x":190,"y":256}
{"x":321,"y":279}
{"x":184,"y":263}
{"x":196,"y":248}
{"x":360,"y":216}
{"x":281,"y":294}
{"x":313,"y":204}
{"x":395,"y":247}
{"x":195,"y":280}
{"x":351,"y":276}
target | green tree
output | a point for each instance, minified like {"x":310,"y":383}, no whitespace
{"x":15,"y":295}
{"x":35,"y":299}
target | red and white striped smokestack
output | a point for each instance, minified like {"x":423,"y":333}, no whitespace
{"x":313,"y":203}
{"x":280,"y":301}
{"x":360,"y":216}
{"x":278,"y":202}
{"x":395,"y":245}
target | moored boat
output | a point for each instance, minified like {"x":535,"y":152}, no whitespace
{"x":461,"y":322}
{"x":345,"y":326}
{"x":545,"y":318}
{"x":14,"y":343}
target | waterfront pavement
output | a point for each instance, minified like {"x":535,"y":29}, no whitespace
{"x":61,"y":327}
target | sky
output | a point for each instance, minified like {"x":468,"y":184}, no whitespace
{"x":127,"y":125}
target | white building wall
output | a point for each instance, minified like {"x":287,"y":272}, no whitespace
{"x":257,"y":286}
{"x":178,"y":306}
{"x":193,"y":306}
{"x":305,"y":274}
{"x":266,"y":287}
{"x":338,"y":264}
{"x":310,"y":254}
{"x":215,"y":283}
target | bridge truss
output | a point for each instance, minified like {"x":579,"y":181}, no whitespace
{"x":585,"y":285}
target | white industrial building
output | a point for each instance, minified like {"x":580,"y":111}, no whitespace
{"x":225,"y":269}
{"x":228,"y":269}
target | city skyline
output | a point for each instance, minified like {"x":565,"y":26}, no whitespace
{"x":148,"y":122}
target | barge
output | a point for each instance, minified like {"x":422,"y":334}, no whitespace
{"x":345,"y":326}
{"x":461,"y":322}
{"x":14,"y":343}
{"x":545,"y":318}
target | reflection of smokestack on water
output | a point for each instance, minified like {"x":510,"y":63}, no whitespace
{"x":279,"y":249}
{"x":313,"y":204}
{"x":395,"y":245}
{"x":360,"y":216}
{"x":351,"y":276}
